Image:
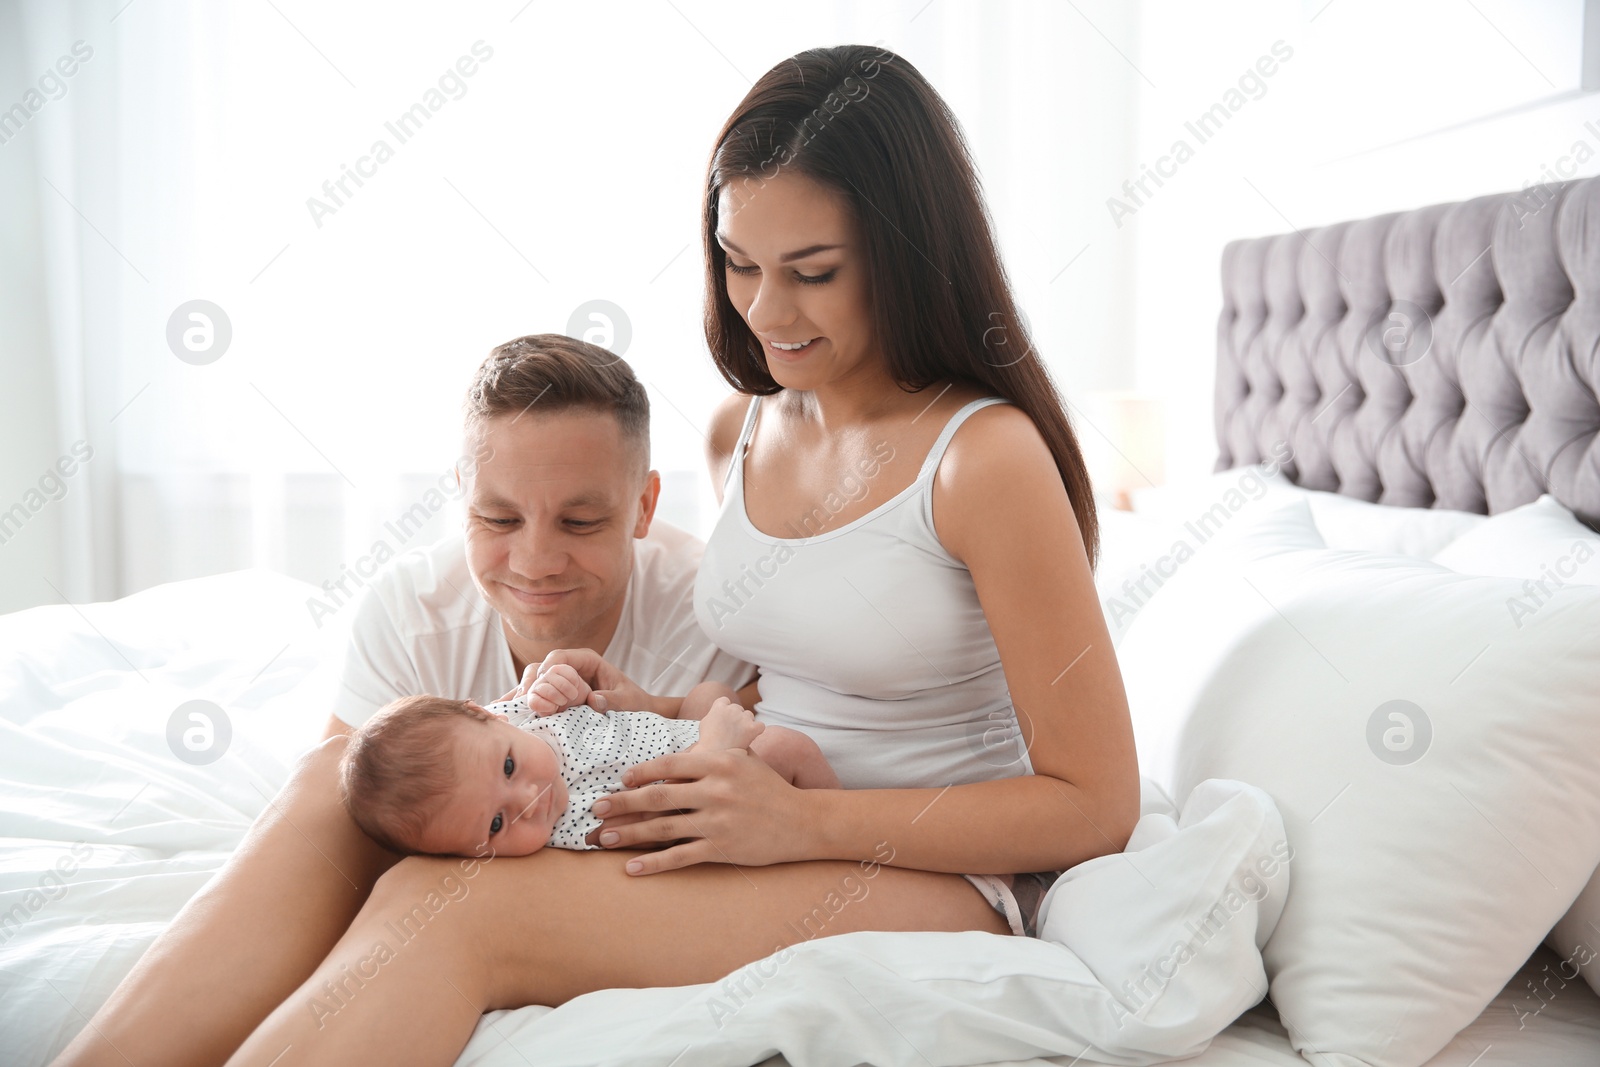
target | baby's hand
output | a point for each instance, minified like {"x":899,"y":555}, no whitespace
{"x":728,"y":725}
{"x":557,"y":689}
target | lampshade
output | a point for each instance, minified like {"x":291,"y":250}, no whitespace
{"x":1123,"y":443}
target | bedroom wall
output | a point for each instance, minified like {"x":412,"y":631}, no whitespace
{"x":334,"y":407}
{"x":1380,"y":107}
{"x":1365,"y":107}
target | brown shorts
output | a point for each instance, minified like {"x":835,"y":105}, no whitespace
{"x":1016,"y":897}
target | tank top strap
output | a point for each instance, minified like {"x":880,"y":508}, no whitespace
{"x":929,"y":465}
{"x":936,"y":453}
{"x":736,"y":464}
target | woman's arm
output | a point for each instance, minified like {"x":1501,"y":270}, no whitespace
{"x":1000,"y":508}
{"x":723,"y":437}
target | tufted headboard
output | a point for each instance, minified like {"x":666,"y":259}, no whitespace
{"x":1443,"y":357}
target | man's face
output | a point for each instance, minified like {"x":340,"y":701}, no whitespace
{"x":553,"y":507}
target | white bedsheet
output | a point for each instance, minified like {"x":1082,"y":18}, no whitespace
{"x":90,"y":789}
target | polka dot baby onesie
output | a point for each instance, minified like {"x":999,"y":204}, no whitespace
{"x":595,"y":749}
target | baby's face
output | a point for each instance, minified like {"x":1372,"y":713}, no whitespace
{"x":509,"y":792}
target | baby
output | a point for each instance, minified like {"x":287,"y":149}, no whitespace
{"x":449,"y":777}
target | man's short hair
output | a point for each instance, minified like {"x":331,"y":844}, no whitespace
{"x":544,"y":373}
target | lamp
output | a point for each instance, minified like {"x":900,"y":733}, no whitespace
{"x":1123,"y":442}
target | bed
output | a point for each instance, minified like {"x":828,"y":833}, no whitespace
{"x":1419,"y":472}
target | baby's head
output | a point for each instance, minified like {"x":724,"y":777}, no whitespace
{"x":446,"y":777}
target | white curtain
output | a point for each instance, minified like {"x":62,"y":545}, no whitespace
{"x":374,"y":195}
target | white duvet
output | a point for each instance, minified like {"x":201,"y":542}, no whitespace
{"x":105,"y":833}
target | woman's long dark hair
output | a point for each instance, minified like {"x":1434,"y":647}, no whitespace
{"x":863,"y":121}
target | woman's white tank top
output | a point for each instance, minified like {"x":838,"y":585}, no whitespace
{"x":869,"y":636}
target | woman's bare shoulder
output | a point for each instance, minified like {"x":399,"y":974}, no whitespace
{"x":998,"y":463}
{"x":997,"y":441}
{"x":727,"y":418}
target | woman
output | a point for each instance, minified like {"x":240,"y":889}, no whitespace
{"x":907,"y":552}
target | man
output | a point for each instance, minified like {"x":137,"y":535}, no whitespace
{"x":558,"y":551}
{"x":558,"y":554}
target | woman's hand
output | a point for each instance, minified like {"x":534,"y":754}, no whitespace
{"x":721,"y":807}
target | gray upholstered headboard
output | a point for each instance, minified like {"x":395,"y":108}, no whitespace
{"x":1444,"y":357}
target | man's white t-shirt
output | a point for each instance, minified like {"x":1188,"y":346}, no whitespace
{"x":424,"y":627}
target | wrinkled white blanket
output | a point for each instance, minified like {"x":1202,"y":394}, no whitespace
{"x":1146,"y":956}
{"x":105,"y":833}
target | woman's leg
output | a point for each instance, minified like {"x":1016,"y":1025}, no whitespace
{"x":440,"y":942}
{"x":249,"y":938}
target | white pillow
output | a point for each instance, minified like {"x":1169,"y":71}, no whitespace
{"x":1419,"y":888}
{"x":1137,"y":554}
{"x":1346,"y":522}
{"x":1211,"y":501}
{"x":1576,"y":939}
{"x":1163,"y":670}
{"x":1541,"y":541}
{"x":1172,"y":524}
{"x":1545,"y":544}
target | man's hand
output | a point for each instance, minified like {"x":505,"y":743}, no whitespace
{"x":550,"y":688}
{"x":609,"y":688}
